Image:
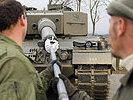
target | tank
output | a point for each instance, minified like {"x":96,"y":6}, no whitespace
{"x":86,"y":60}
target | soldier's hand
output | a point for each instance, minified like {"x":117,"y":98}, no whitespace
{"x":51,"y":64}
{"x":70,"y":88}
{"x":53,"y":84}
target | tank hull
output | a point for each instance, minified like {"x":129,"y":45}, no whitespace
{"x":88,"y":69}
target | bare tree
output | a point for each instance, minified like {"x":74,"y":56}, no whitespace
{"x":78,"y":5}
{"x":95,"y":9}
{"x":50,"y":1}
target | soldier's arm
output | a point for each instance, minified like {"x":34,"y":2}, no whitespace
{"x":15,"y":81}
{"x":46,"y":75}
{"x":72,"y":91}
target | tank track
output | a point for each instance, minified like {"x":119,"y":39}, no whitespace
{"x":94,"y":79}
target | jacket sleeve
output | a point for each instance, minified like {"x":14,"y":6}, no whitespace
{"x":80,"y":95}
{"x":46,"y":75}
{"x":15,"y":81}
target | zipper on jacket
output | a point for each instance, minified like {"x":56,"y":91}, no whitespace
{"x":16,"y":91}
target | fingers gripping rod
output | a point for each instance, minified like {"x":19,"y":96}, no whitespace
{"x":46,"y":28}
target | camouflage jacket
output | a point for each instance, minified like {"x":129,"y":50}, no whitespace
{"x":125,"y":90}
{"x":18,"y":78}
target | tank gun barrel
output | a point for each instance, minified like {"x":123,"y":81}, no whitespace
{"x":46,"y":28}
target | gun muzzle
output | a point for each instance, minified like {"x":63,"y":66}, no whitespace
{"x":46,"y":28}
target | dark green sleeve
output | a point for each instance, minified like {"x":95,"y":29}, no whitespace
{"x":46,"y":75}
{"x":15,"y":81}
{"x":80,"y":95}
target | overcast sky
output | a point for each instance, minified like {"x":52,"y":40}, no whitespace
{"x":101,"y":27}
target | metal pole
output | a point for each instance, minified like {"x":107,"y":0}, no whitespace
{"x":60,"y":85}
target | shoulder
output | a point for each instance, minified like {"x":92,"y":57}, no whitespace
{"x":8,"y":50}
{"x":12,"y":51}
{"x":3,"y":51}
{"x":11,"y":56}
{"x":127,"y":78}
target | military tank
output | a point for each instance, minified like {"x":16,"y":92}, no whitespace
{"x":86,"y":60}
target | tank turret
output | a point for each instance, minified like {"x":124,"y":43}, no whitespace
{"x":67,"y":22}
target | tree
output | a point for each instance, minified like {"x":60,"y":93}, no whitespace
{"x":78,"y":5}
{"x":50,"y":1}
{"x":95,"y":9}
